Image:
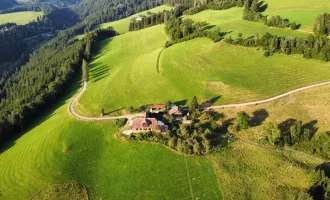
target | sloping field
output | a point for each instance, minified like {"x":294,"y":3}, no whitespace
{"x":59,"y":148}
{"x":301,"y":11}
{"x":230,"y":21}
{"x":19,"y":18}
{"x":124,"y":73}
{"x":122,"y":25}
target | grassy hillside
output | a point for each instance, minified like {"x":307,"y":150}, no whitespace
{"x":301,"y":11}
{"x":309,"y":105}
{"x":124,"y":73}
{"x":122,"y":25}
{"x":19,"y":18}
{"x":231,"y":21}
{"x":59,"y":148}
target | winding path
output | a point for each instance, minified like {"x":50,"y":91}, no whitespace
{"x":270,"y":99}
{"x":78,"y":116}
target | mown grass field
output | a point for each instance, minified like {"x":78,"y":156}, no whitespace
{"x":230,"y":21}
{"x":19,"y":18}
{"x":60,"y":148}
{"x":121,"y":26}
{"x":124,"y":72}
{"x":301,"y":11}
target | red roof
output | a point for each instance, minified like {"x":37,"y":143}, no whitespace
{"x":143,"y":123}
{"x":157,"y":106}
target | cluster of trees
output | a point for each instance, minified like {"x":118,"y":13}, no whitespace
{"x":300,"y":137}
{"x":253,"y":10}
{"x":187,"y":139}
{"x":182,"y":30}
{"x":295,"y":135}
{"x":322,"y":24}
{"x":320,"y":182}
{"x":194,"y":138}
{"x":42,"y":80}
{"x":315,"y":47}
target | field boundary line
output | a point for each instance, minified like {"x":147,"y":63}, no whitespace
{"x":78,"y":116}
{"x":189,"y":181}
{"x":281,"y":150}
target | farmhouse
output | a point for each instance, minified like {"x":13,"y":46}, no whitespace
{"x":176,"y":112}
{"x":157,"y":108}
{"x":143,"y":124}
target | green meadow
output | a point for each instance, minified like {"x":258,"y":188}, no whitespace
{"x":124,"y":72}
{"x":300,"y":11}
{"x":121,"y":26}
{"x":60,"y":148}
{"x":19,"y":18}
{"x":230,"y":21}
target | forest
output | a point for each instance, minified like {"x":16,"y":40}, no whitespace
{"x":41,"y":81}
{"x":26,"y":90}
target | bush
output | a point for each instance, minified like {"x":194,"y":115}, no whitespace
{"x":121,"y":122}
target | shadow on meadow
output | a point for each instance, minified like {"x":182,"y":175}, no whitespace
{"x":98,"y":71}
{"x":46,"y":113}
{"x":286,"y":125}
{"x":259,"y":116}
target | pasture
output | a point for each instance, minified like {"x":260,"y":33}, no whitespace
{"x":20,"y":18}
{"x":300,"y":11}
{"x":60,"y":148}
{"x":124,"y":73}
{"x":230,"y":21}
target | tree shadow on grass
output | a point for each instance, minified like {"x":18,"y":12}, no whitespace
{"x":113,"y":111}
{"x":101,"y":51}
{"x":44,"y":114}
{"x":99,"y":71}
{"x":311,"y":127}
{"x":285,"y":125}
{"x":181,"y":102}
{"x":263,"y":7}
{"x":258,"y":117}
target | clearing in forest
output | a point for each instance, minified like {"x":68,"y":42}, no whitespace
{"x":20,"y":18}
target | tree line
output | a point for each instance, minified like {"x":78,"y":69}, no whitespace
{"x":313,"y":47}
{"x":42,"y":80}
{"x":254,"y":8}
{"x":322,"y":24}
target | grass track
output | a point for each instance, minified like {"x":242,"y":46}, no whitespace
{"x":19,"y":18}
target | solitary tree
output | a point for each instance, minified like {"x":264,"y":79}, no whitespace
{"x":194,"y":106}
{"x":243,"y":120}
{"x":85,"y":75}
{"x":272,"y":132}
